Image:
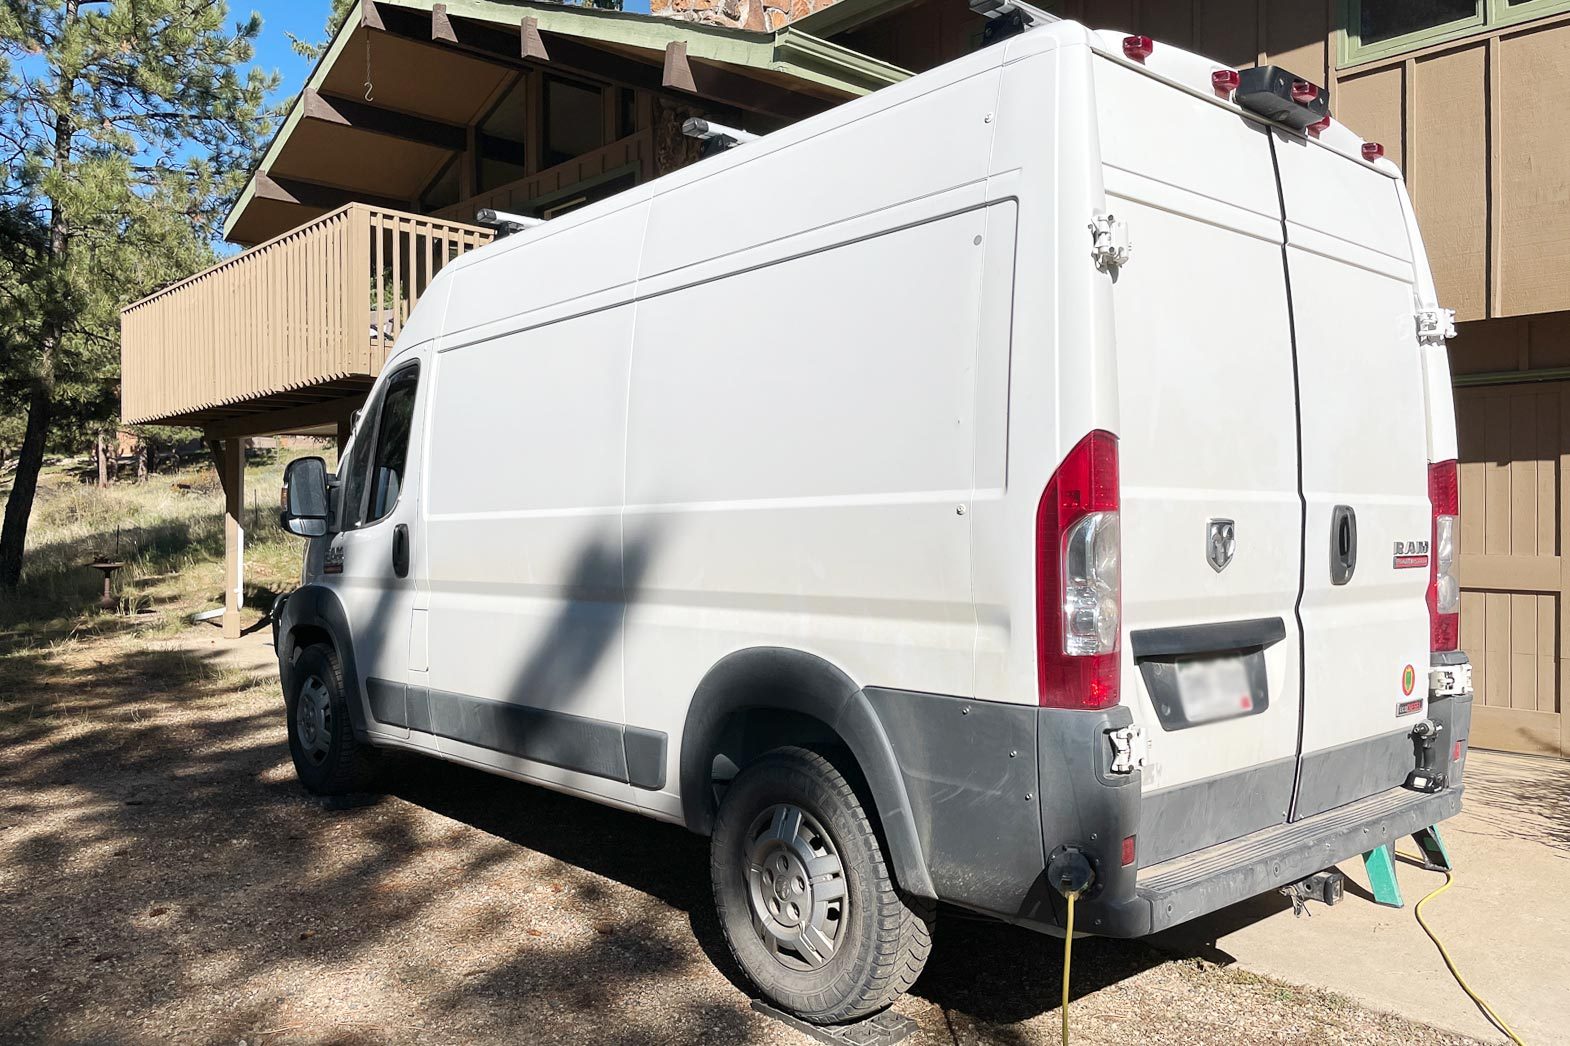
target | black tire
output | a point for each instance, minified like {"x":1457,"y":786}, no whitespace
{"x":327,"y":758}
{"x":880,"y":938}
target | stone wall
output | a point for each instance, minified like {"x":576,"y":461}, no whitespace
{"x":756,"y":15}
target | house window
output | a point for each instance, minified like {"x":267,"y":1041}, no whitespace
{"x":1381,"y":28}
{"x":574,"y":120}
{"x":500,"y":137}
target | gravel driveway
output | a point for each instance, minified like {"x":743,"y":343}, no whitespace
{"x":163,"y":878}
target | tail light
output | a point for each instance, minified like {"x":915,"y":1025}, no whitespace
{"x":1079,"y":590}
{"x":1444,"y":581}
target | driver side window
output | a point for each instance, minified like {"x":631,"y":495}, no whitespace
{"x":373,"y":474}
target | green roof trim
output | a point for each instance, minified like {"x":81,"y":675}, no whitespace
{"x":789,"y":50}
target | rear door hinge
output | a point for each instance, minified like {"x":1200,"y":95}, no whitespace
{"x":1110,"y":245}
{"x":1435,"y":326}
{"x":1128,"y":749}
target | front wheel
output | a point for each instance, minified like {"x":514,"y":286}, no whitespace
{"x":327,"y":758}
{"x":804,"y":892}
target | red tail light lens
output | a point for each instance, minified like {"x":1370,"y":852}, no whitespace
{"x":1138,"y":47}
{"x":1225,"y":81}
{"x":1079,"y":590}
{"x":1444,"y":579}
{"x":1128,"y":850}
{"x":1372,"y":151}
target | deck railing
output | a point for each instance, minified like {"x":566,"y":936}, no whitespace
{"x":319,"y":304}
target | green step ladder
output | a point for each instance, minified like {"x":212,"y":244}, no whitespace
{"x":1380,"y":863}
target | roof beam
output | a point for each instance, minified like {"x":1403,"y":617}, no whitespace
{"x":489,"y":42}
{"x":283,"y":189}
{"x":389,"y":123}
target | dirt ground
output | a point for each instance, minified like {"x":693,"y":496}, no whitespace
{"x":163,"y":878}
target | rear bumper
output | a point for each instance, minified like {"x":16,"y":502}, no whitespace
{"x":989,"y":817}
{"x":1198,"y":883}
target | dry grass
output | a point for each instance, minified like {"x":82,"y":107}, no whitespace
{"x":169,"y":533}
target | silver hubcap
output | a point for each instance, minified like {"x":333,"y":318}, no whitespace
{"x":796,"y":886}
{"x":313,"y":719}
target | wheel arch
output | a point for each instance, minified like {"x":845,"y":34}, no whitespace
{"x":803,"y":694}
{"x":314,"y":614}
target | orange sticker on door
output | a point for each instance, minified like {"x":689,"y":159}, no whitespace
{"x":1408,"y":679}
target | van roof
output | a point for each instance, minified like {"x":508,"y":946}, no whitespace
{"x":1183,"y":70}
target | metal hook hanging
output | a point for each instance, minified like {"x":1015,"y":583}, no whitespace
{"x":368,"y":85}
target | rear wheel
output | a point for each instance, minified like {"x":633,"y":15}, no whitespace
{"x":804,"y":893}
{"x":327,"y":758}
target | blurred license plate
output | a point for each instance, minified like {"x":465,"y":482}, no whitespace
{"x":1214,"y":689}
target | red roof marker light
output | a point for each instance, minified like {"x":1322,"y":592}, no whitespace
{"x":1317,"y":126}
{"x":1372,"y":151}
{"x":1225,"y":81}
{"x":1138,"y":47}
{"x":1304,"y":92}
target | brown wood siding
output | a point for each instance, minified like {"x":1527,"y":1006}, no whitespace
{"x":319,"y":304}
{"x":1240,"y":33}
{"x":1514,"y":442}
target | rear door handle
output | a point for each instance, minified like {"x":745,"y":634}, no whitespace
{"x":1343,"y":544}
{"x":400,"y":550}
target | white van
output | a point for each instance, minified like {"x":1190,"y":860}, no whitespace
{"x":1039,"y":471}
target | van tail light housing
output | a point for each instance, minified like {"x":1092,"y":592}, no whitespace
{"x":1444,"y":579}
{"x":1079,"y":588}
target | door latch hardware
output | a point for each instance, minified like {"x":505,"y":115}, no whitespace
{"x":1435,"y":326}
{"x":1110,"y":245}
{"x":1129,"y":749}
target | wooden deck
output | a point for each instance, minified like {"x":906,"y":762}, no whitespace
{"x":302,"y":320}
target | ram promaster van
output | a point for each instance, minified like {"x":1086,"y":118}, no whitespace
{"x":1059,"y":484}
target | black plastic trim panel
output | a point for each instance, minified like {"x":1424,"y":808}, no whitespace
{"x":1222,"y":637}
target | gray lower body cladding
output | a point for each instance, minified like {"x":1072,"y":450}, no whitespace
{"x":995,"y":788}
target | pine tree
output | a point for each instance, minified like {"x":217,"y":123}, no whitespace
{"x":335,"y":20}
{"x":125,"y":126}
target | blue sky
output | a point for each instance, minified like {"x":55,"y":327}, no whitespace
{"x":305,"y":19}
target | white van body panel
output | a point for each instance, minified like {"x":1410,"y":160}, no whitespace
{"x":686,"y":425}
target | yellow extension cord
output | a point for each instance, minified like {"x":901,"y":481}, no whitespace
{"x":1488,"y":1010}
{"x":1068,"y":945}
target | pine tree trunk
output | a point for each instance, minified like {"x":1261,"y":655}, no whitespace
{"x":29,"y":462}
{"x":144,"y":457}
{"x":40,"y":394}
{"x":103,"y":462}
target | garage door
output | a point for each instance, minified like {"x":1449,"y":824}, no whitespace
{"x":1514,"y":443}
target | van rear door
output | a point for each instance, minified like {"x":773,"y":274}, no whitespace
{"x":1211,"y":515}
{"x":1365,"y":473}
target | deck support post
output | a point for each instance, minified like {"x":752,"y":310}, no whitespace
{"x":230,"y":457}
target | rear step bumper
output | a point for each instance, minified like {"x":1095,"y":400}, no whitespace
{"x":1202,"y":882}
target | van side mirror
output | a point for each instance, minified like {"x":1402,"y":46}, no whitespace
{"x":304,"y":498}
